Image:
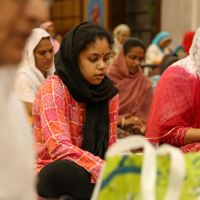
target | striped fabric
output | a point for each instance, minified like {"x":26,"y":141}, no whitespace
{"x":59,"y":127}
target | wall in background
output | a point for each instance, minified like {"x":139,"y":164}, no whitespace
{"x":179,"y":16}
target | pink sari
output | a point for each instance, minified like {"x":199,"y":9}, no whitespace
{"x":135,"y":91}
{"x":175,"y":107}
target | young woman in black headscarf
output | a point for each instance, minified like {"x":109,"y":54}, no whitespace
{"x":75,"y":115}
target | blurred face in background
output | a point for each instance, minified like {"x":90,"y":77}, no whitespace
{"x":17,"y":19}
{"x":51,"y":31}
{"x":123,"y":36}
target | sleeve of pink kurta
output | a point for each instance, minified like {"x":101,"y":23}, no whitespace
{"x":178,"y":136}
{"x":56,"y":129}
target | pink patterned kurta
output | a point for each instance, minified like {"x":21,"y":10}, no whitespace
{"x":59,"y":127}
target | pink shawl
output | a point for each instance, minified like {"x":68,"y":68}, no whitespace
{"x":135,"y":91}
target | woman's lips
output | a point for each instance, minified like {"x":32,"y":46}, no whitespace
{"x":100,"y":76}
{"x":48,"y":62}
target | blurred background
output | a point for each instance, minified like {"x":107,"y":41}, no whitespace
{"x":145,"y":17}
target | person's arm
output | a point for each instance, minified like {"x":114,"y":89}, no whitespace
{"x":183,"y":136}
{"x":59,"y":129}
{"x":113,"y":116}
{"x":192,"y":136}
{"x":178,"y":136}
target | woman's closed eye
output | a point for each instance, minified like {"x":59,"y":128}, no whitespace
{"x":42,"y":53}
{"x":93,"y":59}
{"x":106,"y":58}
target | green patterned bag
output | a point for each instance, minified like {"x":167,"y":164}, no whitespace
{"x":165,"y":173}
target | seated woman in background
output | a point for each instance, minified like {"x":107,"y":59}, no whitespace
{"x":75,"y":115}
{"x":175,"y":113}
{"x":179,"y":51}
{"x":158,"y":48}
{"x":36,"y":66}
{"x":49,"y":28}
{"x":135,"y":89}
{"x":121,"y":34}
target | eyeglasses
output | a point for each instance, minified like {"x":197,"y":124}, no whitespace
{"x":135,"y":58}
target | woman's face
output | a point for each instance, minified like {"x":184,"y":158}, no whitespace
{"x":51,"y":30}
{"x":134,"y":58}
{"x":93,"y":62}
{"x":17,"y":19}
{"x":44,"y":54}
{"x":165,"y":44}
{"x":123,"y":36}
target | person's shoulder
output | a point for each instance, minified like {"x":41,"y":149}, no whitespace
{"x":53,"y":79}
{"x":24,"y":73}
{"x":53,"y":84}
{"x":152,"y":47}
{"x":174,"y":71}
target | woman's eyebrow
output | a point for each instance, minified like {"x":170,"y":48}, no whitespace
{"x":96,"y":54}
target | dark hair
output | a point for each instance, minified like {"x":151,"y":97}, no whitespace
{"x":133,"y":42}
{"x":86,"y":35}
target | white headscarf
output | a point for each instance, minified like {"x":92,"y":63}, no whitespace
{"x":121,"y":27}
{"x":29,"y":78}
{"x":192,"y":62}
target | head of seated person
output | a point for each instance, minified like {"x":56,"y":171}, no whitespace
{"x":43,"y":55}
{"x":49,"y":28}
{"x":38,"y":53}
{"x":134,"y":53}
{"x":122,"y":33}
{"x":162,"y":39}
{"x":179,"y":51}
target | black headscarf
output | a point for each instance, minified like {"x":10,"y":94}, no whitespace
{"x":96,"y":131}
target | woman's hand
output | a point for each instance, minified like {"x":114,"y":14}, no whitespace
{"x":138,"y":125}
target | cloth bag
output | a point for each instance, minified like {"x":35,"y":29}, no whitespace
{"x":165,"y":173}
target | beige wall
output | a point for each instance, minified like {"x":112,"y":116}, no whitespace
{"x":179,"y":16}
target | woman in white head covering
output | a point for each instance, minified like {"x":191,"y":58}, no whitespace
{"x":121,"y":34}
{"x":36,"y":66}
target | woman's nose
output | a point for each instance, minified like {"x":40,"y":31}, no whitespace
{"x":102,"y":65}
{"x":49,"y":55}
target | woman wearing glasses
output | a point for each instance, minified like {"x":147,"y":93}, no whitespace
{"x":135,"y":90}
